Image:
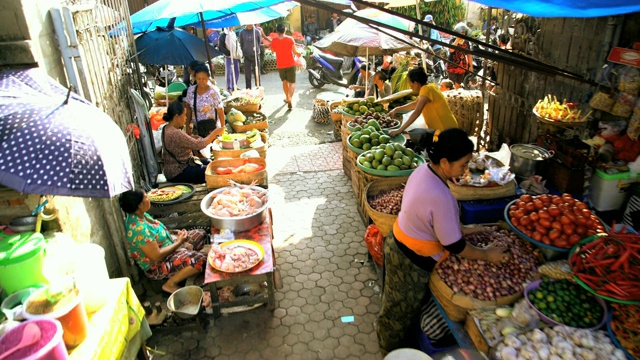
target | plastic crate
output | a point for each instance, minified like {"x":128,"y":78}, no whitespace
{"x":483,"y":211}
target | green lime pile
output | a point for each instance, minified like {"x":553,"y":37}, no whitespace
{"x":566,"y":303}
{"x":402,"y":101}
{"x":389,"y":157}
{"x":363,"y":106}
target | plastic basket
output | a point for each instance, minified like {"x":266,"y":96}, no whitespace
{"x":614,"y":339}
{"x":427,"y":347}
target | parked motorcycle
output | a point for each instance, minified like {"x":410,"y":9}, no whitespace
{"x":327,"y":69}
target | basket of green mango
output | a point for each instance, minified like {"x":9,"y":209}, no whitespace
{"x":363,"y":139}
{"x":389,"y":160}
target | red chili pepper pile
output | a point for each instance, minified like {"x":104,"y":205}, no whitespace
{"x":626,"y":326}
{"x":610,"y":266}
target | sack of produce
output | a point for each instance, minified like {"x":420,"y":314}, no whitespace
{"x":461,"y":284}
{"x":488,"y":326}
{"x":559,"y":342}
{"x":602,"y":100}
{"x":624,"y":105}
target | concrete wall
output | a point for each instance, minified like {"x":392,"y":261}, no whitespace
{"x":27,"y":39}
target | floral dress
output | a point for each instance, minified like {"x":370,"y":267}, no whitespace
{"x":206,"y":103}
{"x":141,"y":232}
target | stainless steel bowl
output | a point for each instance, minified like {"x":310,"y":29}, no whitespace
{"x":23,"y":223}
{"x":239,"y":223}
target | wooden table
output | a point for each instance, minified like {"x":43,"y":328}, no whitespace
{"x":263,"y":272}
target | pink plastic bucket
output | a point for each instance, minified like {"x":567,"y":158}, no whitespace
{"x":50,"y":346}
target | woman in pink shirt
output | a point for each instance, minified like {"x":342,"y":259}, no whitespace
{"x":427,"y":230}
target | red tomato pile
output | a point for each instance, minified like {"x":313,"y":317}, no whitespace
{"x":560,"y":221}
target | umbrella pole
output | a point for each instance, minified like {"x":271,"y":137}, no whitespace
{"x":39,"y":214}
{"x":166,"y":83}
{"x":424,"y":60}
{"x":366,"y":76}
{"x":206,"y":43}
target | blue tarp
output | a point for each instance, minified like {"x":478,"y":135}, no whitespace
{"x":567,"y":8}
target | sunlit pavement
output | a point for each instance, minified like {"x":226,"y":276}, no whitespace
{"x":318,"y":240}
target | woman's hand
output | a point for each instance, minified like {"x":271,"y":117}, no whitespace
{"x":393,"y":133}
{"x":392,"y":113}
{"x":496,"y":255}
{"x":182,"y":236}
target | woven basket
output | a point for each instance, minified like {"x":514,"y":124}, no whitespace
{"x":347,"y":162}
{"x":215,"y":181}
{"x":456,"y":305}
{"x":476,"y":335}
{"x":462,"y":193}
{"x":359,"y":180}
{"x":260,"y":125}
{"x":242,"y":108}
{"x":466,"y":106}
{"x":384,"y":221}
{"x":335,"y":116}
{"x":219,"y":153}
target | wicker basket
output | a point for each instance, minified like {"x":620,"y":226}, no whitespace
{"x":347,"y":162}
{"x":384,"y":221}
{"x":218,"y":153}
{"x":466,"y":106}
{"x":242,"y":108}
{"x":215,"y":181}
{"x":260,"y":125}
{"x":335,"y":116}
{"x":456,"y":305}
{"x":462,"y":193}
{"x":359,"y":180}
{"x":476,"y":335}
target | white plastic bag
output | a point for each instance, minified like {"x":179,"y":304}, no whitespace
{"x":301,"y":63}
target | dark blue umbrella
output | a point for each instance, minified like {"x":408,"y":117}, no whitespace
{"x":172,"y":47}
{"x":54,"y":142}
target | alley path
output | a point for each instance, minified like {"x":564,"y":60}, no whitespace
{"x":318,"y":241}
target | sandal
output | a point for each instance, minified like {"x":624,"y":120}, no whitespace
{"x":289,"y":106}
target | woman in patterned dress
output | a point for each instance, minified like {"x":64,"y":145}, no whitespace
{"x":160,"y":253}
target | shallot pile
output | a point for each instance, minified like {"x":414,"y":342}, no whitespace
{"x":487,"y":281}
{"x":388,"y":201}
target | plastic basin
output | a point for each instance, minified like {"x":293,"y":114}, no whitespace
{"x":386,"y":173}
{"x":50,"y":345}
{"x":400,"y":139}
{"x":186,"y":301}
{"x":70,"y":313}
{"x":21,"y":261}
{"x":536,"y":284}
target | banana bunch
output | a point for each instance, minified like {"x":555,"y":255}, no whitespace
{"x":253,"y":135}
{"x":552,"y":109}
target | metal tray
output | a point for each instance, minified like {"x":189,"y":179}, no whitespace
{"x":180,"y":198}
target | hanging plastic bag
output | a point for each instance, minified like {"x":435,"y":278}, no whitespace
{"x":301,"y":63}
{"x":375,"y":243}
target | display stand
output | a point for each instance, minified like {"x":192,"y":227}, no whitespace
{"x":263,"y":272}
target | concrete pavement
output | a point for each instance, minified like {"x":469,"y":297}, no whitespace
{"x":319,"y":248}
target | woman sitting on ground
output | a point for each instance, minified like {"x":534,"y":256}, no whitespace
{"x":152,"y":246}
{"x":431,"y":103}
{"x":178,"y":147}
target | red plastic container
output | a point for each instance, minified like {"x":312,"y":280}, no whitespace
{"x":50,"y":346}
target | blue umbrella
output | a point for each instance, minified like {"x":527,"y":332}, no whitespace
{"x":172,"y":47}
{"x":54,"y":142}
{"x":183,"y":13}
{"x":252,"y":17}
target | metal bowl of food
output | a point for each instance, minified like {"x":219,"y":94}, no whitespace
{"x":237,"y":208}
{"x":23,"y":223}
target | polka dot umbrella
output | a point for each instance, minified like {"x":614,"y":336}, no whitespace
{"x":53,"y":142}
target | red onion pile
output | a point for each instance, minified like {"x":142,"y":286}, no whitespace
{"x":387,"y":201}
{"x":483,"y":280}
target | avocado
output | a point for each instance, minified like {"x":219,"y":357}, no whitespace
{"x":381,"y":167}
{"x":365,"y":139}
{"x":379,"y":154}
{"x":386,"y":161}
{"x":384,"y":139}
{"x":389,"y":150}
{"x":392,"y":168}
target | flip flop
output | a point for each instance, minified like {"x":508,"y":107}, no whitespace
{"x":289,"y":106}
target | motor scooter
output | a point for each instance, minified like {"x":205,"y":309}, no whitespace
{"x":327,"y":69}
